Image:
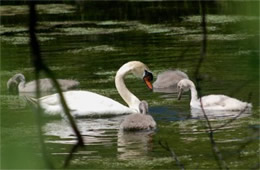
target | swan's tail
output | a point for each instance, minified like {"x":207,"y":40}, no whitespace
{"x":249,"y":106}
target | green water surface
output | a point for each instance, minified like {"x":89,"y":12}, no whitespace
{"x":82,"y":42}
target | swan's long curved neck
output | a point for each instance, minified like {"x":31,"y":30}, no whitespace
{"x":194,"y":94}
{"x":132,"y":101}
{"x":21,"y":85}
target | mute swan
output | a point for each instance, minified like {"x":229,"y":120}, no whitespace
{"x":167,"y":81}
{"x":85,"y":103}
{"x":139,"y":121}
{"x":211,"y":102}
{"x":18,"y":83}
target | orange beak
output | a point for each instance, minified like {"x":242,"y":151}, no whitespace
{"x":148,"y":82}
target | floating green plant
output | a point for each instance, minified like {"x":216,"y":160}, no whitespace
{"x":220,"y":19}
{"x":10,"y":10}
{"x":99,"y":48}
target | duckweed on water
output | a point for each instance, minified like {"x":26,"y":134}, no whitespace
{"x":139,"y":163}
{"x":4,"y":29}
{"x":220,"y":19}
{"x":10,"y":10}
{"x":21,"y":40}
{"x":150,"y":29}
{"x":13,"y":102}
{"x":128,"y":23}
{"x":220,"y":37}
{"x":86,"y":31}
{"x":107,"y":73}
{"x":99,"y":48}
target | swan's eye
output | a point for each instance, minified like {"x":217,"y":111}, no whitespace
{"x":148,"y":75}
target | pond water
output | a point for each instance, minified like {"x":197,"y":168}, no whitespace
{"x":90,"y":47}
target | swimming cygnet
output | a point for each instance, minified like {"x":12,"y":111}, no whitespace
{"x":17,"y":83}
{"x":211,"y":102}
{"x":167,"y":81}
{"x":139,"y":121}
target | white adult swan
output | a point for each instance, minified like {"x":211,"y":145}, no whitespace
{"x":167,"y":81}
{"x":139,"y":121}
{"x":211,"y":102}
{"x":17,"y":82}
{"x":85,"y":103}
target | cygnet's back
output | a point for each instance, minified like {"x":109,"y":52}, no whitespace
{"x":17,"y":83}
{"x":139,"y":121}
{"x":169,"y":79}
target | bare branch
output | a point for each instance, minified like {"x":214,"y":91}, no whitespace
{"x":167,"y":148}
{"x":39,"y":65}
{"x":218,"y":156}
{"x":237,"y":116}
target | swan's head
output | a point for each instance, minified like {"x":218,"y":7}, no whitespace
{"x":12,"y":83}
{"x":143,"y":107}
{"x":183,"y":85}
{"x":18,"y":77}
{"x":140,"y":70}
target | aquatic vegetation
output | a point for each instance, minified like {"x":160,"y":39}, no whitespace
{"x":12,"y":102}
{"x":220,"y":19}
{"x":107,"y":73}
{"x":114,"y":23}
{"x":55,"y":8}
{"x":21,"y":40}
{"x":140,"y":163}
{"x":91,"y":49}
{"x":11,"y":10}
{"x":4,"y":29}
{"x":182,"y":30}
{"x":151,"y":29}
{"x":87,"y":31}
{"x":99,"y":48}
{"x":218,"y":37}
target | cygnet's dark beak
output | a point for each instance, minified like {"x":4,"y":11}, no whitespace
{"x":148,"y":78}
{"x":180,"y":93}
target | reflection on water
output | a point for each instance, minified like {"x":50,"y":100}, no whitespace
{"x":91,"y":49}
{"x":134,"y":144}
{"x":93,"y":130}
{"x":216,"y":114}
{"x":102,"y":132}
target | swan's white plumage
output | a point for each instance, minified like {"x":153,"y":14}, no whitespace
{"x":222,"y":102}
{"x":84,"y":103}
{"x":212,"y":102}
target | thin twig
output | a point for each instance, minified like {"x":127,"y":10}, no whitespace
{"x":69,"y":157}
{"x":34,"y":48}
{"x":39,"y":65}
{"x":218,"y":156}
{"x":166,"y":147}
{"x":237,"y":116}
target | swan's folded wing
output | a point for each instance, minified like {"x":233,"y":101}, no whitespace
{"x":83,"y":103}
{"x":214,"y":100}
